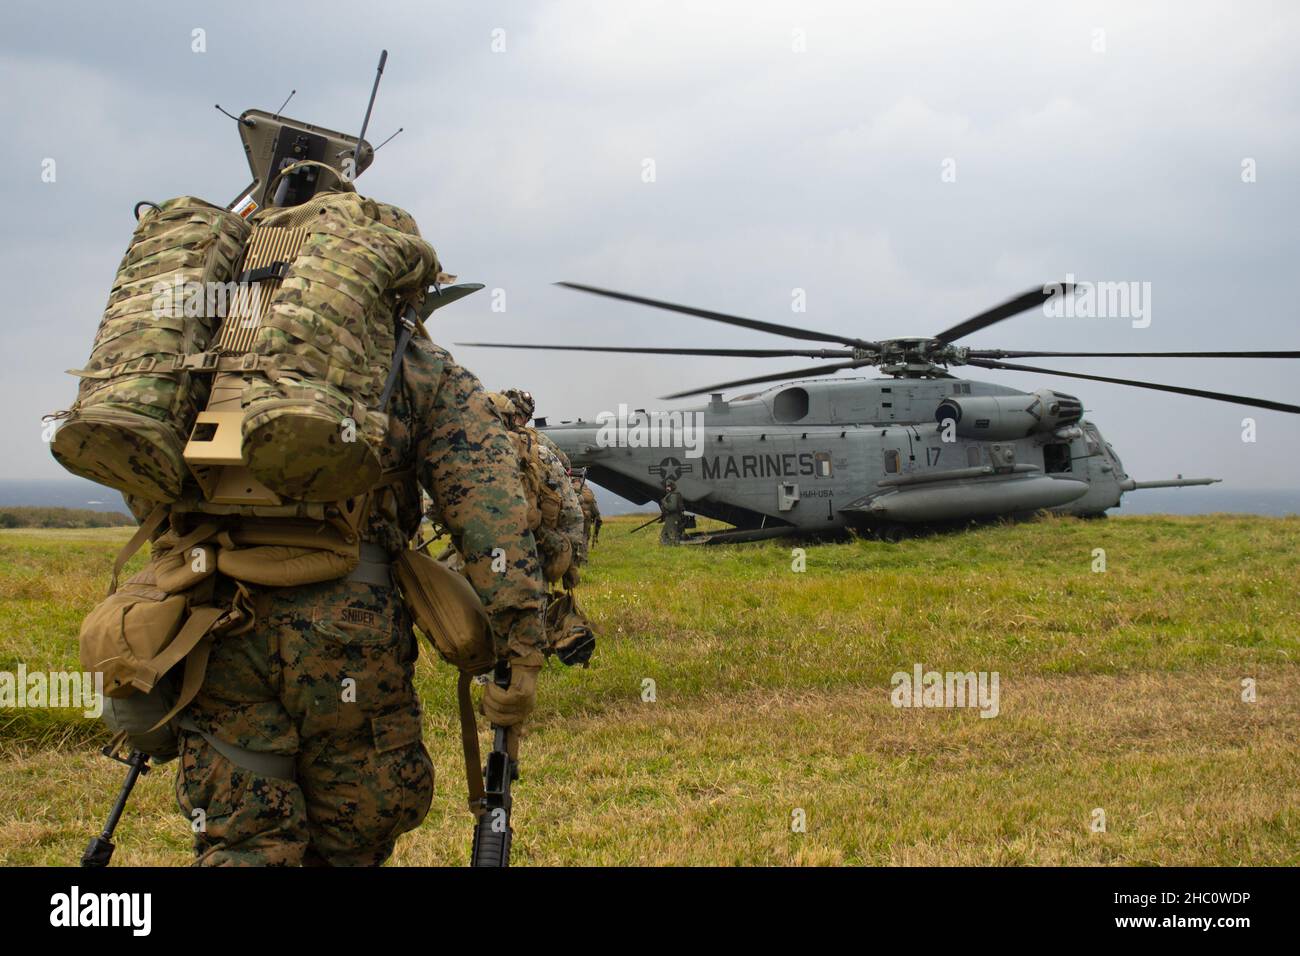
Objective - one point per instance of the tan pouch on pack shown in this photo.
(125, 634)
(550, 505)
(285, 553)
(446, 608)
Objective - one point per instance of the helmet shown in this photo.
(523, 401)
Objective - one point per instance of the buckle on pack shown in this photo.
(197, 362)
(275, 270)
(146, 364)
(249, 362)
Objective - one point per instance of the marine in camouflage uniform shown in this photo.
(569, 522)
(673, 507)
(571, 517)
(324, 679)
(556, 450)
(590, 510)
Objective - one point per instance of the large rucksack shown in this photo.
(254, 428)
(312, 427)
(282, 387)
(134, 408)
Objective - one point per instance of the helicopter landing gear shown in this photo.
(893, 532)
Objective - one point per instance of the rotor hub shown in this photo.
(918, 357)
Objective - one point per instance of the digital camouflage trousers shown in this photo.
(325, 677)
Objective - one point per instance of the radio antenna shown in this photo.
(285, 103)
(389, 140)
(365, 123)
(237, 119)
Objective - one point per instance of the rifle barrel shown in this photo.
(653, 520)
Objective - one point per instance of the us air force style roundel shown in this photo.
(670, 469)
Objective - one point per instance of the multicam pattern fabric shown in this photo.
(312, 427)
(128, 426)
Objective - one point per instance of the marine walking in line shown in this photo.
(590, 509)
(557, 521)
(275, 452)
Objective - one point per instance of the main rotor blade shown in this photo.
(1198, 393)
(1003, 353)
(1021, 303)
(773, 377)
(789, 331)
(731, 353)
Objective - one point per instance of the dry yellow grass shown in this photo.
(1119, 691)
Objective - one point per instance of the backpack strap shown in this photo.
(142, 534)
(469, 743)
(194, 643)
(410, 321)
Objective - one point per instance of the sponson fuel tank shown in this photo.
(946, 501)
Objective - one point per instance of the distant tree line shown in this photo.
(31, 517)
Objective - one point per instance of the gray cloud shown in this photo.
(775, 170)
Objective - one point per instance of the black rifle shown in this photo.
(492, 833)
(100, 849)
(654, 520)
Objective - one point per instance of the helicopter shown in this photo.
(917, 448)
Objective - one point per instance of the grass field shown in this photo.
(1120, 691)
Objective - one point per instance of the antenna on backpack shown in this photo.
(237, 119)
(389, 140)
(365, 123)
(285, 103)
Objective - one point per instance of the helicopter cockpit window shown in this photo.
(791, 405)
(892, 460)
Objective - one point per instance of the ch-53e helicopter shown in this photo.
(886, 456)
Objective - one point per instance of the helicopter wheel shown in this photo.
(892, 533)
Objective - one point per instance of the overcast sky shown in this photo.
(794, 146)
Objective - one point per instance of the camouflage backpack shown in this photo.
(324, 348)
(134, 407)
(268, 389)
(253, 428)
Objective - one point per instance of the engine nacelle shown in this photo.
(1004, 417)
